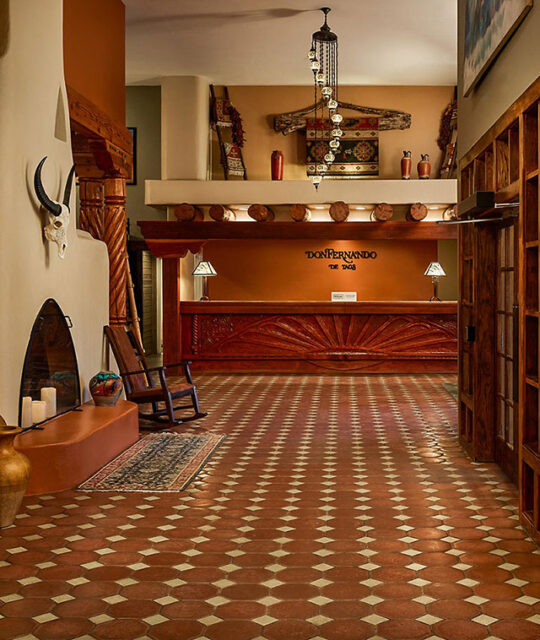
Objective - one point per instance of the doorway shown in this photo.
(506, 424)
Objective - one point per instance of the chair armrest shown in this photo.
(184, 363)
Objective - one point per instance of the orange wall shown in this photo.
(94, 53)
(258, 105)
(280, 270)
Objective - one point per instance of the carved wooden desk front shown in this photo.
(394, 337)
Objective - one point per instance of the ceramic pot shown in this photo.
(277, 165)
(424, 167)
(105, 388)
(14, 474)
(406, 165)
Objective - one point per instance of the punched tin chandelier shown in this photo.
(323, 56)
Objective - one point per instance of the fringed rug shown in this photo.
(164, 462)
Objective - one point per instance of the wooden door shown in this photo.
(506, 424)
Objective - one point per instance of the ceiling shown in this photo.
(265, 42)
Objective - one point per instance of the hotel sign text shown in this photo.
(347, 257)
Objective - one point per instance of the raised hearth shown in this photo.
(75, 445)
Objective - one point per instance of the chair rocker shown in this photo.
(145, 385)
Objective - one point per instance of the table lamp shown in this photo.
(204, 270)
(435, 271)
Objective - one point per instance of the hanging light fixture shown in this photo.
(323, 57)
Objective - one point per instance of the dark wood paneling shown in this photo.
(172, 349)
(161, 233)
(486, 333)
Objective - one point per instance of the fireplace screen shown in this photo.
(50, 360)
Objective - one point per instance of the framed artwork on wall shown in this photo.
(133, 131)
(488, 26)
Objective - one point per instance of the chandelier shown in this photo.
(323, 56)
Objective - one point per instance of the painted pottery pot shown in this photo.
(424, 167)
(14, 474)
(406, 165)
(277, 165)
(105, 387)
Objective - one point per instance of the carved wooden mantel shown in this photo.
(375, 337)
(103, 155)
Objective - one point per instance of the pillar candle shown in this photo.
(48, 395)
(39, 411)
(26, 412)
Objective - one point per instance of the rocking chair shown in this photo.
(140, 382)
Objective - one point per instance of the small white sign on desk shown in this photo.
(343, 296)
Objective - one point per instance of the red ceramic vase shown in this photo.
(277, 165)
(406, 165)
(424, 167)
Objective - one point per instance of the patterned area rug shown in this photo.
(164, 462)
(452, 389)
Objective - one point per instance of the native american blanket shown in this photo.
(234, 159)
(358, 155)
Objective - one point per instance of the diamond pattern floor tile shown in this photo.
(337, 507)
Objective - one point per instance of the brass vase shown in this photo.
(14, 474)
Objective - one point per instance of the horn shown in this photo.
(49, 204)
(67, 190)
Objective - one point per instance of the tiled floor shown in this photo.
(338, 507)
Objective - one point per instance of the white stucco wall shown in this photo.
(34, 122)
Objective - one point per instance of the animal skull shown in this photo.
(56, 230)
(58, 213)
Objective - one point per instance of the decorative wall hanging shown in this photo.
(56, 230)
(389, 119)
(227, 122)
(357, 155)
(447, 141)
(353, 131)
(489, 24)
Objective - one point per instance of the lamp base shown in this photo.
(434, 299)
(204, 299)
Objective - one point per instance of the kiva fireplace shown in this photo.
(50, 361)
(77, 439)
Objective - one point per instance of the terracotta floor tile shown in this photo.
(461, 630)
(176, 630)
(337, 507)
(453, 609)
(515, 630)
(119, 630)
(401, 629)
(237, 629)
(13, 627)
(290, 630)
(63, 629)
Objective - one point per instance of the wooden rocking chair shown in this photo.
(143, 388)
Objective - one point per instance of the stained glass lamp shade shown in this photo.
(435, 271)
(205, 270)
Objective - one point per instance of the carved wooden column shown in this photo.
(91, 206)
(172, 346)
(114, 235)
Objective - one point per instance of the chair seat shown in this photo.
(157, 393)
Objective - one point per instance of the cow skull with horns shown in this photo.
(56, 230)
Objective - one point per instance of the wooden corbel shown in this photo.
(388, 118)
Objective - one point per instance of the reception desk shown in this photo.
(371, 337)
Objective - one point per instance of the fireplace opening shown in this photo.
(50, 360)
